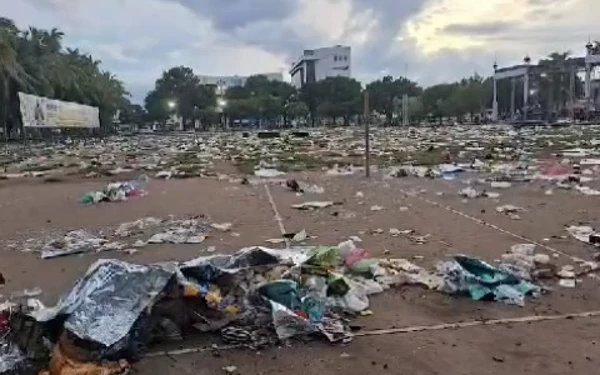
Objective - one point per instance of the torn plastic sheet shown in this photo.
(106, 302)
(211, 267)
(182, 232)
(482, 280)
(77, 242)
(11, 358)
(294, 314)
(582, 233)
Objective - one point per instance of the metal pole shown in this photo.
(367, 143)
(525, 94)
(572, 93)
(512, 98)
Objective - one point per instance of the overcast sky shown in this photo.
(434, 40)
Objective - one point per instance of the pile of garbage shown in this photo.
(117, 192)
(254, 298)
(130, 236)
(78, 242)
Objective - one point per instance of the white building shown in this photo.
(317, 64)
(225, 82)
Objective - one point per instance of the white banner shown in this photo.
(38, 112)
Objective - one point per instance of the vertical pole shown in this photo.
(367, 141)
(512, 98)
(572, 93)
(405, 114)
(525, 94)
(495, 101)
(588, 90)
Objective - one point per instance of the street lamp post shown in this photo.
(221, 105)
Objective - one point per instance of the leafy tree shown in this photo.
(416, 110)
(385, 93)
(339, 97)
(156, 107)
(34, 61)
(182, 87)
(259, 99)
(555, 83)
(437, 100)
(309, 95)
(297, 109)
(132, 114)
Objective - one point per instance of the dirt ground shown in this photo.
(564, 346)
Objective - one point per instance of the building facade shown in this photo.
(223, 83)
(317, 64)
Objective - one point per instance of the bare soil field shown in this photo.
(430, 207)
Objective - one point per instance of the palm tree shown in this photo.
(12, 75)
(555, 81)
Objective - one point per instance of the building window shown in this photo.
(335, 58)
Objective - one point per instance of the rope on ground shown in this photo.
(495, 227)
(439, 327)
(275, 210)
(402, 330)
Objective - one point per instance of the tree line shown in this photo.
(34, 61)
(334, 100)
(339, 100)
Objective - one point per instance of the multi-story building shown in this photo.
(317, 64)
(222, 83)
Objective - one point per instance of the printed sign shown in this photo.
(38, 112)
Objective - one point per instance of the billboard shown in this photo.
(38, 112)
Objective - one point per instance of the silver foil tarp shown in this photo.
(105, 303)
(11, 358)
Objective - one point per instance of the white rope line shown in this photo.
(410, 329)
(275, 210)
(495, 227)
(474, 323)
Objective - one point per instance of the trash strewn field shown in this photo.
(470, 250)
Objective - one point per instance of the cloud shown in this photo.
(492, 28)
(430, 40)
(234, 14)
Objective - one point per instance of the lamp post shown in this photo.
(221, 105)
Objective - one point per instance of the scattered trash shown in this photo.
(376, 208)
(481, 280)
(500, 185)
(182, 232)
(225, 227)
(584, 233)
(300, 236)
(312, 205)
(313, 189)
(294, 186)
(116, 192)
(470, 193)
(268, 173)
(509, 209)
(34, 292)
(567, 283)
(136, 227)
(77, 242)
